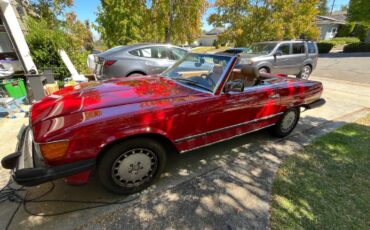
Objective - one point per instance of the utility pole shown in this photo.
(332, 7)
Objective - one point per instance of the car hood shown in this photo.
(96, 95)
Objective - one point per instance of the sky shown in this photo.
(86, 9)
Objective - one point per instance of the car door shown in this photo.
(281, 62)
(297, 57)
(232, 114)
(157, 59)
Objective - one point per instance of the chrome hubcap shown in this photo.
(305, 72)
(134, 167)
(288, 121)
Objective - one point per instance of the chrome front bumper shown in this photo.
(28, 167)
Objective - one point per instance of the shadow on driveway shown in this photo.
(221, 186)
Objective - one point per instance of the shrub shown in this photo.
(215, 44)
(324, 47)
(343, 40)
(357, 47)
(361, 31)
(44, 43)
(346, 30)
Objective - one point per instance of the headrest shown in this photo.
(250, 72)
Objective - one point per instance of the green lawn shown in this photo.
(327, 186)
(206, 49)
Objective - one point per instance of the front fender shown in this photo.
(145, 130)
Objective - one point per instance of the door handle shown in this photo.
(274, 96)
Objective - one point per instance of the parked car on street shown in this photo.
(139, 59)
(283, 57)
(125, 128)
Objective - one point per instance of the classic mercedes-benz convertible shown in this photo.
(125, 128)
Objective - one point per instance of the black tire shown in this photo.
(119, 154)
(263, 70)
(279, 130)
(305, 72)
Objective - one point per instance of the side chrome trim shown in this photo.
(190, 137)
(227, 127)
(255, 130)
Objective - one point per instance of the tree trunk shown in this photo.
(168, 34)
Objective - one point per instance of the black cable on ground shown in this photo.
(8, 193)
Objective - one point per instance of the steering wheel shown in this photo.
(208, 79)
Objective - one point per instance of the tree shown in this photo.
(51, 27)
(261, 20)
(49, 10)
(178, 20)
(122, 22)
(359, 11)
(323, 7)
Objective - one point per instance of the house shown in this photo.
(208, 38)
(329, 25)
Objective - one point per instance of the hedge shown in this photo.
(324, 47)
(343, 40)
(357, 47)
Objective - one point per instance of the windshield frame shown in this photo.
(218, 85)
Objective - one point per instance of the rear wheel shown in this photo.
(131, 166)
(287, 123)
(305, 72)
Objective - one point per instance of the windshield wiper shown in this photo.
(191, 82)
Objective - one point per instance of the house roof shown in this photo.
(216, 31)
(337, 17)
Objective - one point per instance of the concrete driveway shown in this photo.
(226, 185)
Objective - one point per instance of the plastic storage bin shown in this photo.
(14, 87)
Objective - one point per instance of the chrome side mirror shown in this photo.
(234, 86)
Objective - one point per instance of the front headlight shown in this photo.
(249, 62)
(54, 150)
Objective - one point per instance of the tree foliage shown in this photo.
(52, 27)
(323, 7)
(122, 22)
(359, 11)
(260, 20)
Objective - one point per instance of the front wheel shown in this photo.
(287, 123)
(131, 166)
(305, 72)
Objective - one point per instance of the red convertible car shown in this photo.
(125, 128)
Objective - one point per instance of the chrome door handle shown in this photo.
(274, 96)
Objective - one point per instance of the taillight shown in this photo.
(109, 63)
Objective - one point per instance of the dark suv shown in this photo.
(284, 57)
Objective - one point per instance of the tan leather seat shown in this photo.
(251, 75)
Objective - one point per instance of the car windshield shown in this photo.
(202, 71)
(261, 48)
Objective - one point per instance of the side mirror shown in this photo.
(234, 86)
(278, 53)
